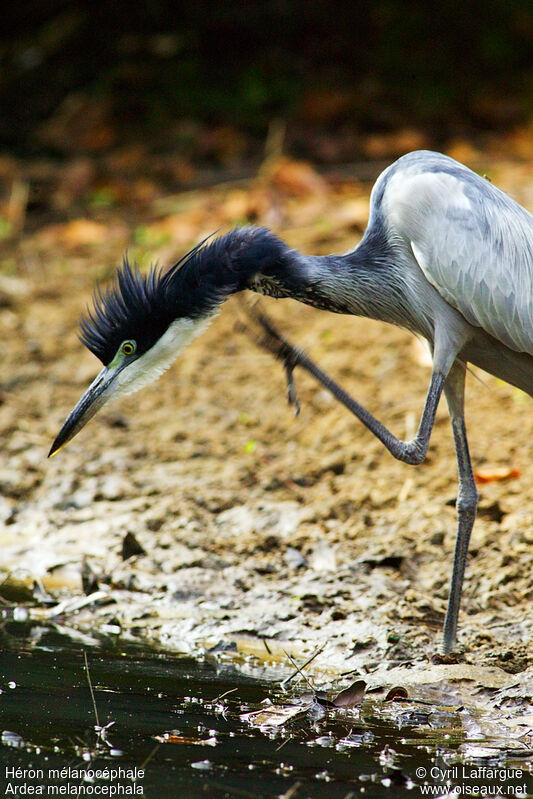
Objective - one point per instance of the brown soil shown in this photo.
(260, 530)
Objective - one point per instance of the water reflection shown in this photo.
(155, 724)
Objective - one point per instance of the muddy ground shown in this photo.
(261, 533)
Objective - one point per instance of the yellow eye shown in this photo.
(128, 347)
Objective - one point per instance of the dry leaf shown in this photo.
(294, 178)
(274, 715)
(351, 696)
(497, 474)
(173, 738)
(76, 233)
(388, 145)
(398, 692)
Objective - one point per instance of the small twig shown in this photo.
(299, 668)
(91, 688)
(292, 791)
(298, 671)
(283, 743)
(231, 691)
(149, 757)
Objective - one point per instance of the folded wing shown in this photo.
(473, 243)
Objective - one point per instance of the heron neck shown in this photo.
(256, 259)
(339, 283)
(266, 265)
(210, 274)
(364, 281)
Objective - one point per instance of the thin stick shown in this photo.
(292, 791)
(150, 756)
(299, 668)
(284, 743)
(230, 691)
(91, 688)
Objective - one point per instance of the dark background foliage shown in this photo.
(155, 69)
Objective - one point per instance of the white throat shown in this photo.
(153, 363)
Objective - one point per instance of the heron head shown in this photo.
(137, 328)
(141, 323)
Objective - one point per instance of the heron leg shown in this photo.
(412, 452)
(467, 499)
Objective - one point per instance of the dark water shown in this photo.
(48, 721)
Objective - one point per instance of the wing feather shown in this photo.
(473, 243)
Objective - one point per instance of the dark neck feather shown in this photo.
(363, 282)
(198, 284)
(255, 259)
(368, 281)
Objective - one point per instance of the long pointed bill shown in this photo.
(98, 393)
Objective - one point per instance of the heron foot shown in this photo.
(440, 658)
(272, 340)
(292, 397)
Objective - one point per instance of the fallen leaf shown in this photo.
(322, 106)
(497, 474)
(294, 178)
(81, 231)
(398, 692)
(387, 145)
(131, 547)
(351, 696)
(473, 753)
(441, 659)
(274, 715)
(519, 721)
(462, 150)
(173, 738)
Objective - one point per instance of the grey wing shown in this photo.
(474, 244)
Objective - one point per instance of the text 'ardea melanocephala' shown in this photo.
(445, 254)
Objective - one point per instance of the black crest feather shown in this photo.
(137, 306)
(142, 306)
